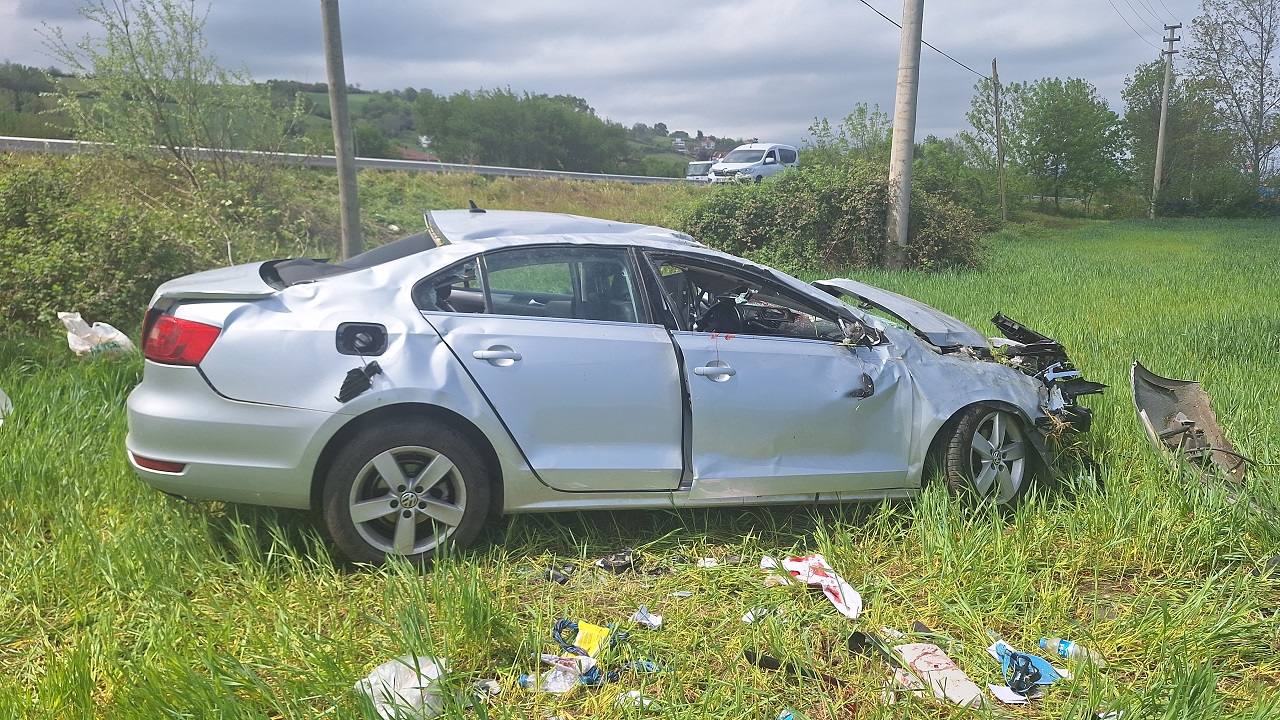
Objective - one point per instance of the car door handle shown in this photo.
(714, 371)
(498, 355)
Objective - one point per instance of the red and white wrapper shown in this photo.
(814, 571)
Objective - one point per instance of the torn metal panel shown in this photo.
(1177, 418)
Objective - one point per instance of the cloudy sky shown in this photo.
(735, 68)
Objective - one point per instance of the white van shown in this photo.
(754, 162)
(699, 171)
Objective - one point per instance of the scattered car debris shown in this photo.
(682, 594)
(814, 571)
(708, 562)
(406, 687)
(560, 575)
(98, 340)
(769, 662)
(1177, 418)
(619, 561)
(486, 688)
(6, 406)
(944, 678)
(634, 699)
(644, 618)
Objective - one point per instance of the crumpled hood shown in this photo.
(939, 328)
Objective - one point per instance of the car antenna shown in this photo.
(474, 207)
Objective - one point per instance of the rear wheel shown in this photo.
(405, 488)
(988, 456)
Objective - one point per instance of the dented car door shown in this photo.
(789, 416)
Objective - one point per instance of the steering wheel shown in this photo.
(723, 316)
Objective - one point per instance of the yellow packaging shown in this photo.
(591, 637)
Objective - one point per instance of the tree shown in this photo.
(863, 135)
(1201, 172)
(499, 127)
(149, 82)
(1237, 53)
(1064, 138)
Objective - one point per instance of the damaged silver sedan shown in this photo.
(514, 362)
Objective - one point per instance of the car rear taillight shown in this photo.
(175, 341)
(157, 465)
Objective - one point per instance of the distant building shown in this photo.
(679, 146)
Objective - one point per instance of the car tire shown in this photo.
(759, 179)
(988, 456)
(438, 494)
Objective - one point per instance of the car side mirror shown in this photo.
(770, 161)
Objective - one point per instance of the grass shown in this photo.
(119, 602)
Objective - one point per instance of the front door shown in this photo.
(780, 407)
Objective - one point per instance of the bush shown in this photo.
(813, 218)
(64, 249)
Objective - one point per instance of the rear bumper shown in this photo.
(231, 451)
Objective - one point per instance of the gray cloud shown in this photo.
(750, 68)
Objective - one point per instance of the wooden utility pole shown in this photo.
(995, 85)
(343, 142)
(904, 131)
(1164, 115)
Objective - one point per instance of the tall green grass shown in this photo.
(119, 602)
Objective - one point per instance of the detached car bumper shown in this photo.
(220, 449)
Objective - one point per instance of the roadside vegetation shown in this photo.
(118, 601)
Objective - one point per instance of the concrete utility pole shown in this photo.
(1164, 115)
(904, 131)
(343, 142)
(995, 85)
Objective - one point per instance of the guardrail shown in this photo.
(72, 147)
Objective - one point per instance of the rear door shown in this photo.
(564, 350)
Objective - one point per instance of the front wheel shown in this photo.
(405, 488)
(988, 456)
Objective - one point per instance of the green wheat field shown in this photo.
(119, 602)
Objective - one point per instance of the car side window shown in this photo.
(714, 299)
(454, 290)
(563, 282)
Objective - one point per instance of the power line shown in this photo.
(925, 43)
(1151, 9)
(1126, 22)
(1139, 15)
(1171, 13)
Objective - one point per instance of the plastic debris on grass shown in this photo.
(97, 340)
(407, 687)
(646, 619)
(6, 406)
(1025, 675)
(814, 571)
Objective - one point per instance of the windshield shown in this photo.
(696, 169)
(744, 156)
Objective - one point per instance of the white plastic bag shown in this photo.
(405, 687)
(98, 340)
(6, 407)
